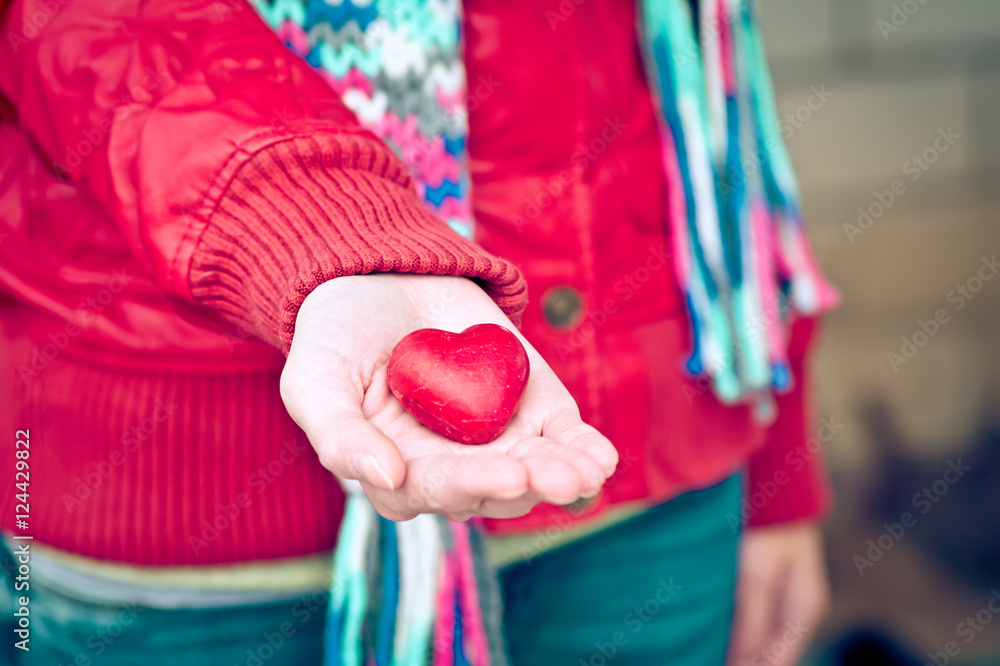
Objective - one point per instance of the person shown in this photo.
(208, 255)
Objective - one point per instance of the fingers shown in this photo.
(568, 430)
(352, 448)
(754, 622)
(589, 473)
(806, 596)
(781, 595)
(570, 460)
(324, 397)
(328, 409)
(514, 508)
(555, 480)
(456, 486)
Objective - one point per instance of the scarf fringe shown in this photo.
(741, 253)
(411, 594)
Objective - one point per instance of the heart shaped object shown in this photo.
(465, 386)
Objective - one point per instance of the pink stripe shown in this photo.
(795, 260)
(473, 631)
(806, 268)
(438, 165)
(450, 100)
(726, 49)
(444, 622)
(763, 226)
(427, 159)
(294, 36)
(781, 250)
(452, 209)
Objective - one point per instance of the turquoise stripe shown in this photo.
(338, 15)
(390, 593)
(336, 610)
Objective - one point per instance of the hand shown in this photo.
(334, 386)
(781, 596)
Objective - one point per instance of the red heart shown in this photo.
(465, 386)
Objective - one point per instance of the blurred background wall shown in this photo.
(895, 131)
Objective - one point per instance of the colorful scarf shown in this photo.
(740, 248)
(410, 593)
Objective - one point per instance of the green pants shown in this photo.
(657, 589)
(69, 632)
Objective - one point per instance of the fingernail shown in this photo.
(592, 494)
(561, 501)
(509, 494)
(369, 468)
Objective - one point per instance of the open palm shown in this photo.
(334, 386)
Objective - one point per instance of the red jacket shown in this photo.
(160, 223)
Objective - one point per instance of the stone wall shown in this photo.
(896, 78)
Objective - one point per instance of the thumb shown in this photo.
(346, 442)
(352, 448)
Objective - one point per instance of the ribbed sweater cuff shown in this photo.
(307, 210)
(787, 477)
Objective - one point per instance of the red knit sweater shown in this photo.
(150, 288)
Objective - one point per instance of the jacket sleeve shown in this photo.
(787, 478)
(233, 170)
